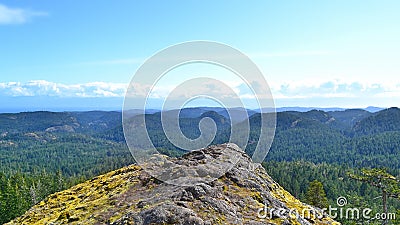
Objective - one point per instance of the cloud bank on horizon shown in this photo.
(299, 93)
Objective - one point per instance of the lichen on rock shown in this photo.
(131, 196)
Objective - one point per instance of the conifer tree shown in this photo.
(387, 183)
(316, 195)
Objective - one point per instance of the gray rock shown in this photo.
(234, 198)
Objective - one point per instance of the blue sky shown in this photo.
(312, 53)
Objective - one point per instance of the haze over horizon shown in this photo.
(60, 57)
(23, 104)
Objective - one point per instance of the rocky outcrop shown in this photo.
(63, 128)
(244, 195)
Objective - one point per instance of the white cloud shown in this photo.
(17, 15)
(296, 91)
(205, 86)
(138, 90)
(334, 88)
(46, 88)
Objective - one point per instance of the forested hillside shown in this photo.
(43, 152)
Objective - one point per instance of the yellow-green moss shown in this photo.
(78, 203)
(96, 201)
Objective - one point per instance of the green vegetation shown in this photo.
(379, 178)
(35, 163)
(316, 196)
(19, 191)
(43, 152)
(296, 177)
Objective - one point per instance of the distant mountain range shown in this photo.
(57, 104)
(305, 109)
(357, 121)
